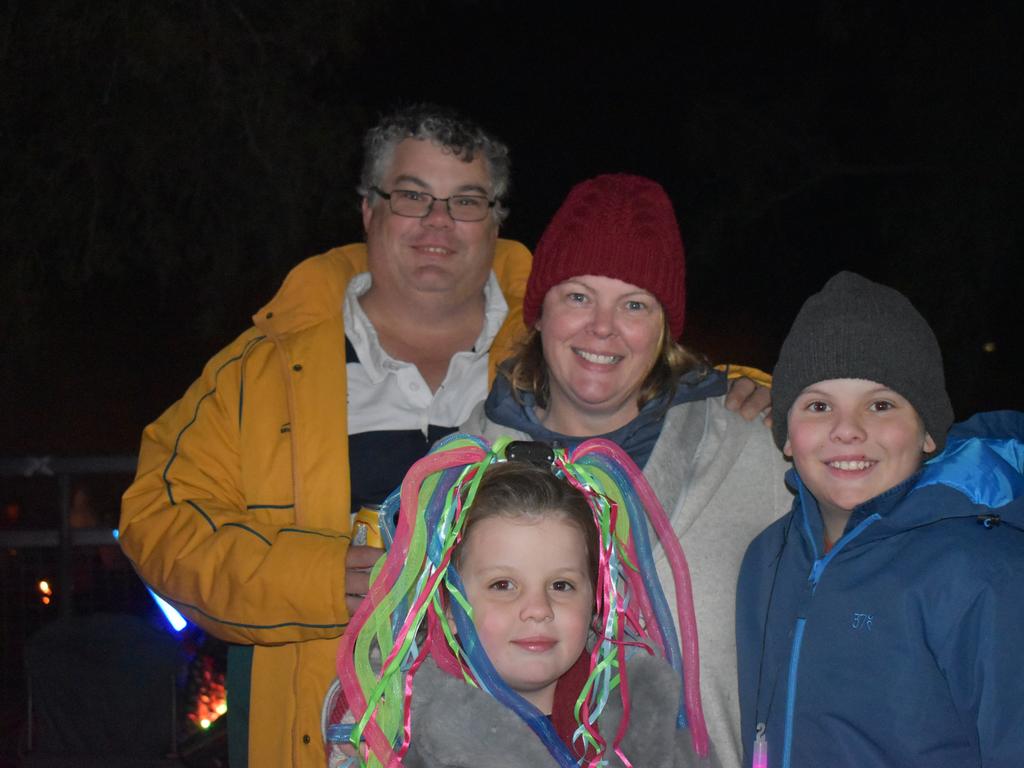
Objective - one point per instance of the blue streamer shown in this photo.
(489, 679)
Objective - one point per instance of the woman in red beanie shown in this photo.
(605, 307)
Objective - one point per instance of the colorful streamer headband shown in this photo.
(403, 618)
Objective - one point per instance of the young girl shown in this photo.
(509, 573)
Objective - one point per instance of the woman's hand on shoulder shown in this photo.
(749, 399)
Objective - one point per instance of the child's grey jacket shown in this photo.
(455, 725)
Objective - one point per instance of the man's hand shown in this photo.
(358, 563)
(750, 399)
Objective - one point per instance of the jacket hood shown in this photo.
(636, 438)
(313, 291)
(983, 461)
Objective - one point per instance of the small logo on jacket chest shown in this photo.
(862, 621)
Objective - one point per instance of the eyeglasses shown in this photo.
(418, 205)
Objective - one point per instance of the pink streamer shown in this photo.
(681, 578)
(420, 471)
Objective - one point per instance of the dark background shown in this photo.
(165, 163)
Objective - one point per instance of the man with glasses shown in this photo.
(240, 511)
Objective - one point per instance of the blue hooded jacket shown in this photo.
(902, 646)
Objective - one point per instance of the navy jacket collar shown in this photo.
(637, 438)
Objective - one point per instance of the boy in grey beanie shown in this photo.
(877, 623)
(859, 350)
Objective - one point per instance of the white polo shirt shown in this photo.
(387, 394)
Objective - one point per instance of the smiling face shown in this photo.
(851, 440)
(434, 254)
(528, 581)
(601, 337)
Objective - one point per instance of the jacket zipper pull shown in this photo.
(760, 748)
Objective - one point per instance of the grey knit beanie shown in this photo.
(856, 329)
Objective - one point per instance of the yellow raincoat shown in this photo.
(239, 512)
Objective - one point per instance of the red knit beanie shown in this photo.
(620, 226)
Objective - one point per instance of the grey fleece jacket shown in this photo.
(720, 480)
(457, 726)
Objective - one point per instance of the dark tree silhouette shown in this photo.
(165, 162)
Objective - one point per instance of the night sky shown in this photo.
(166, 163)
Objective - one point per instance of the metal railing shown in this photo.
(51, 569)
(64, 538)
(38, 565)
